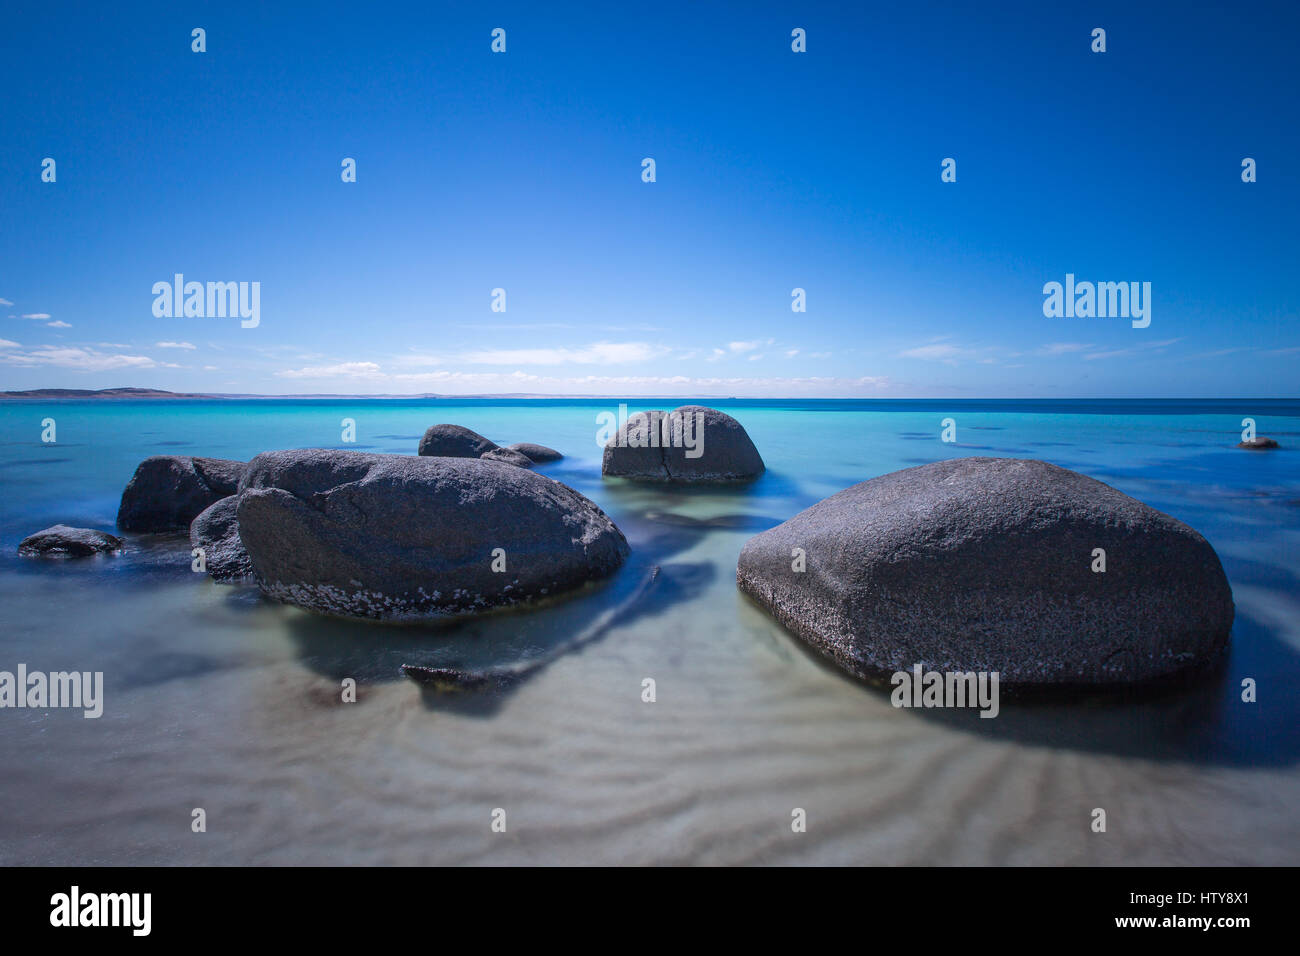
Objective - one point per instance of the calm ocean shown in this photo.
(220, 700)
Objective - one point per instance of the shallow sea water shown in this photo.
(216, 698)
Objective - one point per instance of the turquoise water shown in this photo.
(217, 699)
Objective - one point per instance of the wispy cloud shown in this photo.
(1064, 348)
(344, 370)
(174, 345)
(519, 381)
(58, 325)
(36, 315)
(944, 352)
(602, 353)
(1135, 349)
(80, 359)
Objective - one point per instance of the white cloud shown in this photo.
(456, 382)
(5, 302)
(346, 370)
(80, 359)
(58, 325)
(1134, 349)
(6, 344)
(602, 353)
(1063, 348)
(37, 315)
(935, 352)
(174, 345)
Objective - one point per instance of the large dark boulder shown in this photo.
(539, 454)
(167, 492)
(986, 564)
(400, 537)
(62, 541)
(454, 441)
(688, 444)
(216, 531)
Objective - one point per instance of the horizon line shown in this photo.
(128, 392)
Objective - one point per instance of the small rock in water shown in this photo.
(507, 457)
(539, 454)
(1258, 444)
(62, 541)
(455, 680)
(454, 441)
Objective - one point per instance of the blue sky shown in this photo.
(775, 170)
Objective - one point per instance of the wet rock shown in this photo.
(62, 541)
(454, 441)
(167, 492)
(507, 457)
(986, 564)
(688, 444)
(538, 454)
(216, 531)
(399, 537)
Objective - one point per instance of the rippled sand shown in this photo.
(233, 705)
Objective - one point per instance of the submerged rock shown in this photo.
(1258, 444)
(987, 564)
(167, 492)
(454, 441)
(458, 680)
(507, 457)
(688, 444)
(216, 531)
(62, 541)
(400, 537)
(539, 454)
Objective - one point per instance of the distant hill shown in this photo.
(98, 393)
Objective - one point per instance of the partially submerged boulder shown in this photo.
(216, 531)
(538, 454)
(507, 457)
(400, 537)
(454, 441)
(689, 444)
(1259, 443)
(167, 492)
(62, 541)
(987, 564)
